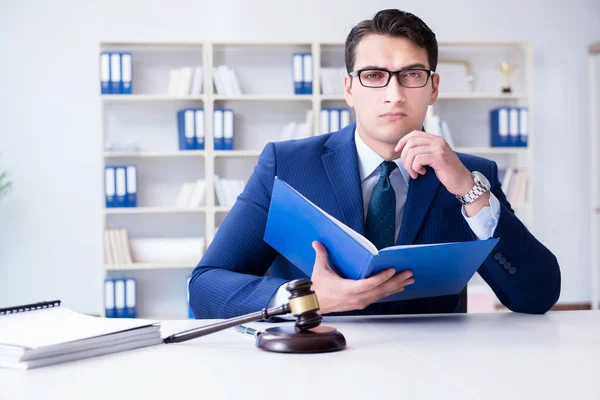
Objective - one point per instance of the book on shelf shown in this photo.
(191, 194)
(223, 128)
(333, 119)
(225, 81)
(515, 185)
(116, 247)
(436, 126)
(116, 73)
(228, 190)
(509, 126)
(332, 80)
(295, 130)
(302, 73)
(47, 333)
(186, 81)
(191, 129)
(120, 186)
(120, 297)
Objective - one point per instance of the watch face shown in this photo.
(482, 180)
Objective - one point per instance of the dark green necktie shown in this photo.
(381, 214)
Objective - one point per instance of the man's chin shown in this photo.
(393, 136)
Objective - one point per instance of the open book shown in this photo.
(46, 333)
(294, 222)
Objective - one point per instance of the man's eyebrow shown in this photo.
(410, 66)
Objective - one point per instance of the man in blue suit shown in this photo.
(386, 179)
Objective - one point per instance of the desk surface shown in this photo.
(473, 356)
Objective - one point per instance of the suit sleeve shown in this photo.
(229, 279)
(522, 272)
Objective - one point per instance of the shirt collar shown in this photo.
(369, 160)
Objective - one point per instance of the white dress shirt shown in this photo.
(483, 224)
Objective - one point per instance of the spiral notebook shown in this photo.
(40, 334)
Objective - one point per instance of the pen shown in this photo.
(247, 330)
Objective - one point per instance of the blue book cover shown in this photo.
(105, 83)
(499, 127)
(131, 184)
(126, 73)
(186, 129)
(307, 73)
(109, 298)
(294, 222)
(298, 72)
(115, 74)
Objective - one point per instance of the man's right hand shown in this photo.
(336, 294)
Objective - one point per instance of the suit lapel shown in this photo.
(341, 168)
(420, 195)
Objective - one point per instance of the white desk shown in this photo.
(491, 356)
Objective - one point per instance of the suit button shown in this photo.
(502, 261)
(497, 256)
(512, 270)
(507, 265)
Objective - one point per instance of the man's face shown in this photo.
(386, 114)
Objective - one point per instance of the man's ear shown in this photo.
(435, 91)
(348, 90)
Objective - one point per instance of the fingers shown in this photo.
(420, 161)
(372, 282)
(394, 285)
(413, 143)
(409, 157)
(405, 139)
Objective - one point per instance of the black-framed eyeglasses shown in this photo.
(380, 77)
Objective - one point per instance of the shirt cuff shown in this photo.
(485, 222)
(280, 297)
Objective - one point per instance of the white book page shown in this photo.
(364, 242)
(50, 326)
(404, 246)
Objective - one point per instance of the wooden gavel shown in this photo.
(305, 337)
(303, 305)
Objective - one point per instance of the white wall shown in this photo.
(50, 230)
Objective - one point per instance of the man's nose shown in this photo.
(394, 92)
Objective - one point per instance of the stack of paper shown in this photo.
(35, 338)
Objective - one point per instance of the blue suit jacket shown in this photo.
(230, 278)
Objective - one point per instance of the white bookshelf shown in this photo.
(146, 97)
(264, 71)
(140, 266)
(153, 210)
(155, 154)
(594, 71)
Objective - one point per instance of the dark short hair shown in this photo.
(394, 23)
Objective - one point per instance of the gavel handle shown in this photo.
(230, 323)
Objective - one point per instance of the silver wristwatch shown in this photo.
(482, 185)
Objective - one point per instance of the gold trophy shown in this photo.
(506, 68)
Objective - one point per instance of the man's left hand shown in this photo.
(419, 149)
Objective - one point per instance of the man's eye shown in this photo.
(374, 75)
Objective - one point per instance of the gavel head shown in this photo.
(303, 304)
